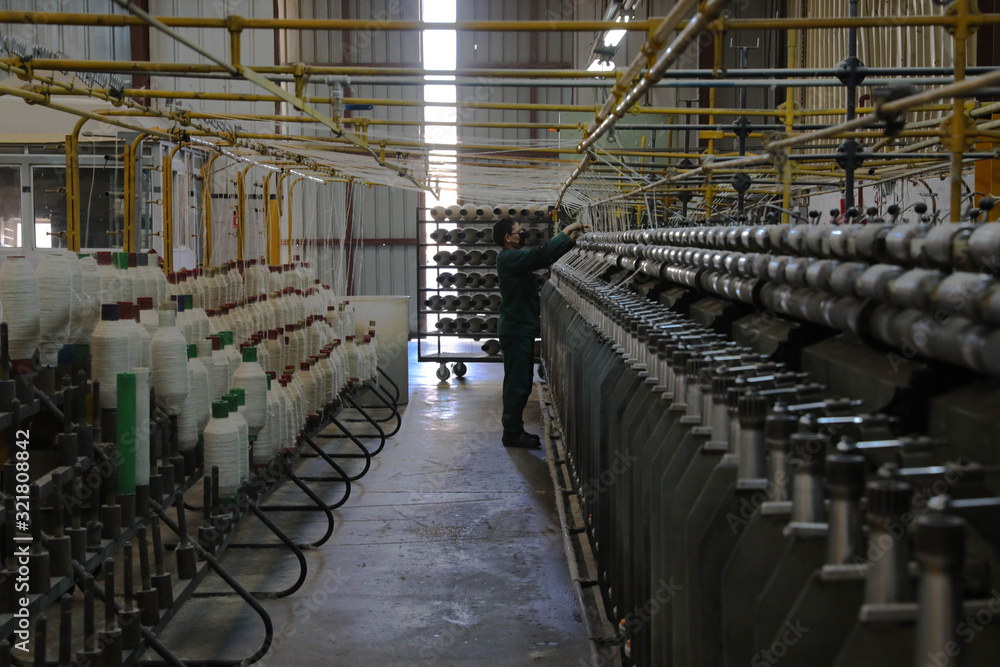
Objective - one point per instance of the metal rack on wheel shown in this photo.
(459, 291)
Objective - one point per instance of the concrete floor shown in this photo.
(448, 552)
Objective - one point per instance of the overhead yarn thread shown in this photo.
(142, 455)
(19, 292)
(53, 279)
(222, 449)
(170, 363)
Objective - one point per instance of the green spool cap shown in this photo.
(232, 402)
(227, 336)
(188, 301)
(220, 410)
(192, 351)
(249, 354)
(81, 352)
(81, 255)
(121, 260)
(269, 383)
(126, 433)
(241, 396)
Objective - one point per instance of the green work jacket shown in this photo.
(519, 310)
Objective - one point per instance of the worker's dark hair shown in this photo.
(501, 228)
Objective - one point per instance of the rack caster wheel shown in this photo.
(460, 369)
(443, 373)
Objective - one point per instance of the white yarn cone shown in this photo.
(251, 379)
(188, 419)
(169, 377)
(106, 358)
(92, 301)
(222, 449)
(53, 278)
(19, 292)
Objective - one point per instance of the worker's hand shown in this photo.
(573, 231)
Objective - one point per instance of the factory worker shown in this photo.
(520, 321)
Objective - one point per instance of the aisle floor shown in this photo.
(448, 552)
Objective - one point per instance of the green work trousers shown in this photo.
(518, 376)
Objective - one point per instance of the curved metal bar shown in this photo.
(392, 405)
(286, 541)
(365, 454)
(368, 418)
(395, 386)
(344, 477)
(235, 585)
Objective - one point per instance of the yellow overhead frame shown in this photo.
(168, 207)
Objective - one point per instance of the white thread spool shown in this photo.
(106, 358)
(266, 444)
(169, 377)
(126, 277)
(161, 278)
(506, 211)
(437, 213)
(188, 420)
(251, 379)
(19, 292)
(219, 373)
(142, 455)
(467, 212)
(53, 280)
(111, 281)
(237, 414)
(452, 212)
(222, 449)
(484, 213)
(232, 357)
(148, 317)
(199, 383)
(126, 320)
(92, 288)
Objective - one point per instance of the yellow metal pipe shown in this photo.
(72, 193)
(840, 22)
(132, 154)
(121, 20)
(130, 67)
(206, 195)
(168, 208)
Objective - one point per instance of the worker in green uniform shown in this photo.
(520, 320)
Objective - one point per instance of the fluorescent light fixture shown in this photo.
(600, 66)
(614, 37)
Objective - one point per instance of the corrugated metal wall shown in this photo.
(379, 212)
(74, 41)
(512, 50)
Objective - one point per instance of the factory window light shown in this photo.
(440, 54)
(600, 66)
